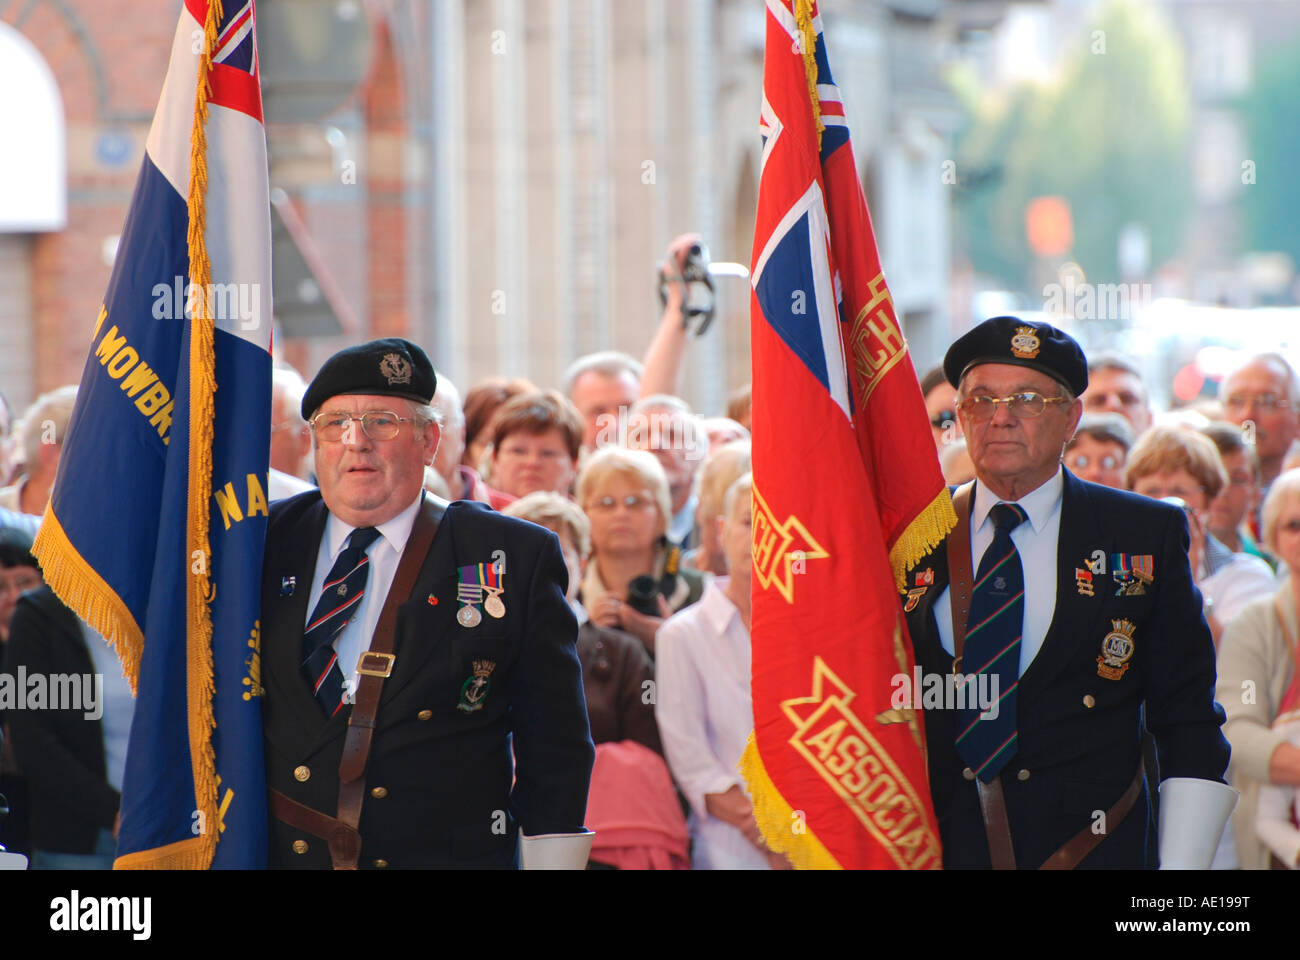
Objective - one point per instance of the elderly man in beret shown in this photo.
(423, 700)
(1074, 605)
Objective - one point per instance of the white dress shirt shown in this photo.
(354, 639)
(1036, 541)
(702, 703)
(1239, 581)
(115, 703)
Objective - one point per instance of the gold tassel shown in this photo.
(922, 535)
(202, 367)
(776, 820)
(803, 17)
(181, 855)
(82, 589)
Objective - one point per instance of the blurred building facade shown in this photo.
(495, 179)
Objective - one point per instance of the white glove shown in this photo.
(12, 861)
(1192, 815)
(555, 851)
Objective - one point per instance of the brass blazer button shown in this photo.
(1089, 701)
(302, 774)
(968, 773)
(380, 864)
(1022, 775)
(379, 792)
(300, 846)
(425, 714)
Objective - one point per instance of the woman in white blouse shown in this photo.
(704, 708)
(1257, 661)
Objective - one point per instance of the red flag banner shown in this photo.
(847, 493)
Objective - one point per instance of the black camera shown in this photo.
(643, 595)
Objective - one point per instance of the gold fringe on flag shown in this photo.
(203, 386)
(803, 17)
(776, 819)
(921, 536)
(82, 589)
(198, 853)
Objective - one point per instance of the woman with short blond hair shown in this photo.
(624, 494)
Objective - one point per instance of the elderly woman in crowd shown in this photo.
(1099, 449)
(615, 666)
(635, 578)
(1180, 463)
(1256, 667)
(704, 707)
(724, 466)
(1277, 811)
(536, 438)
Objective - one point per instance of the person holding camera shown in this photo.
(634, 579)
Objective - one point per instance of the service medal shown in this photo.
(469, 592)
(1083, 581)
(490, 576)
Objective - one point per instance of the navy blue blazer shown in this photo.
(447, 795)
(1080, 725)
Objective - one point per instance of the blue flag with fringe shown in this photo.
(156, 525)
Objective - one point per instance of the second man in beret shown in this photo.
(1068, 613)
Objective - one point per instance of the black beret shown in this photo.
(1024, 343)
(391, 367)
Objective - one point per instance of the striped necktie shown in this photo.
(344, 587)
(997, 613)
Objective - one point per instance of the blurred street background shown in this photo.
(497, 179)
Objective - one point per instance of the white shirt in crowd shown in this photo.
(116, 704)
(702, 703)
(1239, 581)
(280, 485)
(384, 553)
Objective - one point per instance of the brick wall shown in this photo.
(108, 58)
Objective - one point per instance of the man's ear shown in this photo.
(1076, 414)
(432, 437)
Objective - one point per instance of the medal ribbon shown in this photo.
(470, 589)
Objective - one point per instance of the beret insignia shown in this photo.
(397, 370)
(1025, 343)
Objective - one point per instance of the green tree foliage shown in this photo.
(1110, 135)
(1272, 114)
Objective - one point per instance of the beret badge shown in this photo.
(1025, 343)
(396, 368)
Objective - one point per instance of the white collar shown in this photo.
(1039, 504)
(396, 531)
(716, 607)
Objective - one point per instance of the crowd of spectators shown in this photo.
(650, 501)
